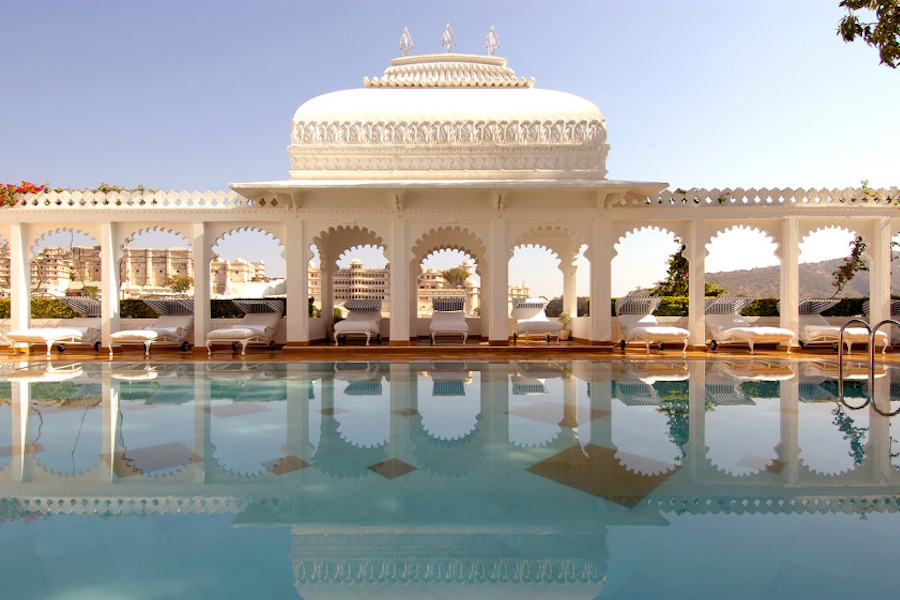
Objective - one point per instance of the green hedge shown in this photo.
(677, 306)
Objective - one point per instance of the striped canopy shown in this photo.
(448, 304)
(84, 306)
(363, 304)
(637, 304)
(540, 303)
(814, 306)
(895, 307)
(726, 305)
(261, 305)
(171, 306)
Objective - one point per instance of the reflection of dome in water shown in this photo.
(440, 116)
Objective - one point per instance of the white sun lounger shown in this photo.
(816, 330)
(727, 326)
(61, 336)
(448, 318)
(364, 318)
(531, 320)
(84, 333)
(254, 328)
(170, 329)
(639, 326)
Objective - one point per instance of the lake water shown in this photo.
(450, 479)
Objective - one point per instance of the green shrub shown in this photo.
(847, 307)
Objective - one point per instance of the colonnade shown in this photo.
(564, 222)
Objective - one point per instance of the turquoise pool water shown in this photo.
(456, 479)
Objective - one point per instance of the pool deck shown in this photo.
(425, 351)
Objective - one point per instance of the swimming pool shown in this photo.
(447, 479)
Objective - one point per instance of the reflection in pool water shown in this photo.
(454, 479)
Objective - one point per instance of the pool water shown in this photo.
(754, 478)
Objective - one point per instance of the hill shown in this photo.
(815, 281)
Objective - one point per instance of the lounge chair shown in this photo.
(448, 318)
(531, 320)
(363, 379)
(727, 326)
(85, 334)
(639, 326)
(174, 324)
(258, 326)
(364, 318)
(815, 330)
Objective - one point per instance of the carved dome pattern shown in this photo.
(448, 70)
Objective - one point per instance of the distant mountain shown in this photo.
(815, 281)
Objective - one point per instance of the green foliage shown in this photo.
(847, 307)
(762, 307)
(883, 33)
(91, 291)
(554, 306)
(314, 312)
(50, 308)
(456, 277)
(179, 284)
(852, 265)
(852, 433)
(762, 389)
(338, 315)
(135, 309)
(676, 282)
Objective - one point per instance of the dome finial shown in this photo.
(448, 40)
(491, 42)
(406, 43)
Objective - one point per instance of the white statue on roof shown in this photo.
(448, 40)
(491, 42)
(406, 43)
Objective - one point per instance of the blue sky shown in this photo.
(195, 95)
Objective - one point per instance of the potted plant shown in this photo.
(564, 320)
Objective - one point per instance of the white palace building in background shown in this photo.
(449, 151)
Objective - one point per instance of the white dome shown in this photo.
(448, 116)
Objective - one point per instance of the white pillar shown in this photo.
(109, 282)
(696, 250)
(790, 278)
(399, 284)
(200, 253)
(19, 276)
(297, 284)
(879, 255)
(498, 293)
(570, 289)
(602, 251)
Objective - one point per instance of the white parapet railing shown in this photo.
(700, 197)
(798, 197)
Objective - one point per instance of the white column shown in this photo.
(110, 405)
(297, 284)
(602, 251)
(498, 293)
(399, 284)
(19, 276)
(20, 394)
(696, 250)
(790, 278)
(109, 282)
(879, 255)
(200, 253)
(570, 291)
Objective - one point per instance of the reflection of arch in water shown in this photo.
(450, 411)
(742, 439)
(5, 422)
(362, 411)
(533, 418)
(339, 458)
(641, 436)
(156, 439)
(247, 437)
(832, 440)
(67, 434)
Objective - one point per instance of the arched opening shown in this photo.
(65, 262)
(156, 261)
(247, 263)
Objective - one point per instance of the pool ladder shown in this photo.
(872, 331)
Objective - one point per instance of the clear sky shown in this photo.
(193, 95)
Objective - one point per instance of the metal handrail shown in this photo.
(872, 333)
(841, 365)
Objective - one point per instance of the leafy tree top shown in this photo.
(882, 33)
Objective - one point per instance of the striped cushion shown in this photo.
(448, 304)
(814, 306)
(363, 304)
(171, 306)
(84, 306)
(637, 304)
(261, 305)
(726, 305)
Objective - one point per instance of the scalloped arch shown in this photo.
(174, 230)
(266, 233)
(765, 233)
(334, 241)
(560, 241)
(37, 239)
(643, 228)
(449, 238)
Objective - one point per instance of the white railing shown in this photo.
(799, 197)
(861, 196)
(131, 200)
